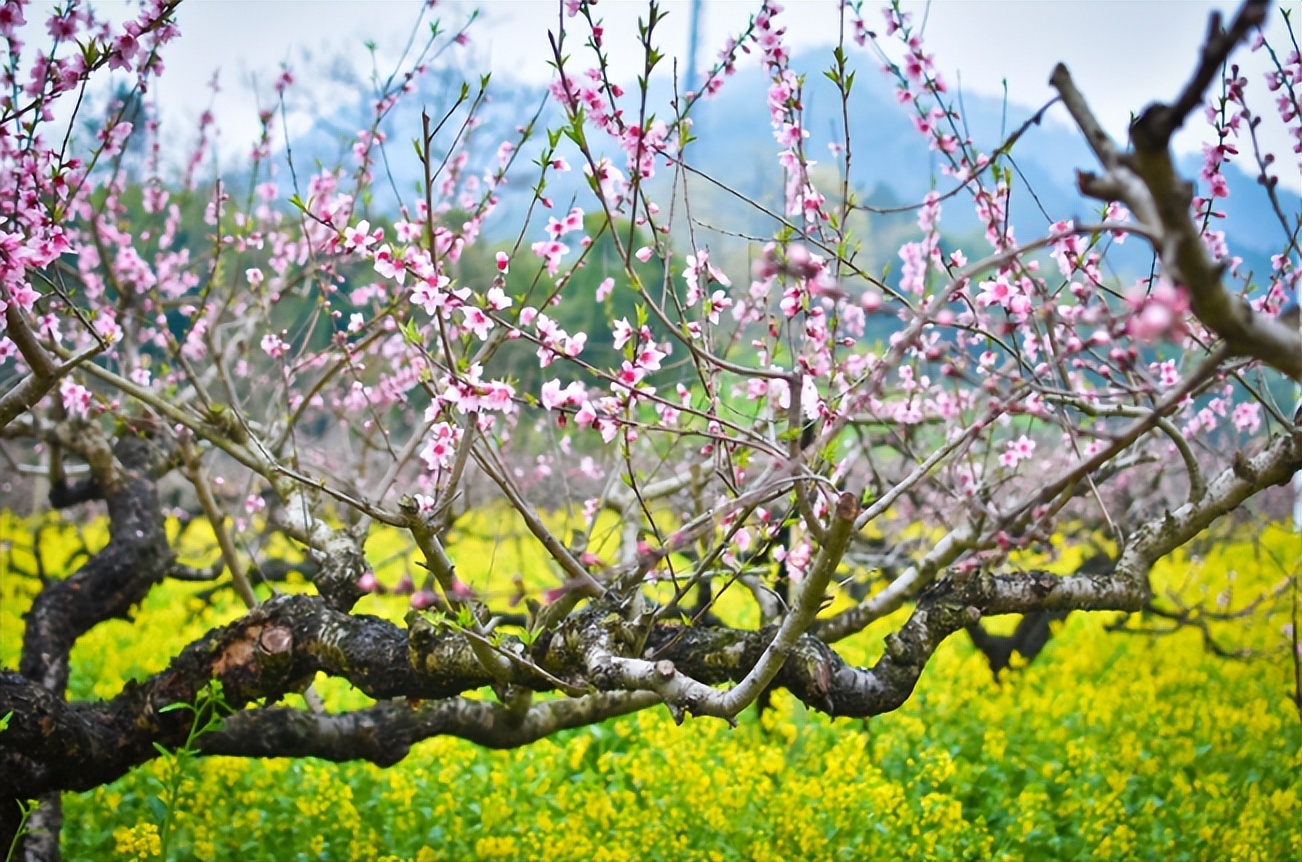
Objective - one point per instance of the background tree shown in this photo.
(315, 368)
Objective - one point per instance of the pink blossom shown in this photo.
(573, 345)
(60, 27)
(408, 231)
(699, 265)
(1160, 314)
(439, 449)
(717, 302)
(573, 221)
(503, 262)
(76, 398)
(610, 180)
(996, 292)
(1166, 372)
(586, 414)
(274, 346)
(551, 251)
(430, 295)
(388, 265)
(476, 321)
(1018, 450)
(1247, 416)
(648, 358)
(621, 332)
(358, 238)
(553, 396)
(792, 301)
(24, 296)
(497, 299)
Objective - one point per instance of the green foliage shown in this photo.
(177, 763)
(25, 808)
(1107, 746)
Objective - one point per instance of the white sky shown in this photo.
(1122, 53)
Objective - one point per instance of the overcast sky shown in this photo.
(1122, 54)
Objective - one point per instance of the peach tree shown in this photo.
(771, 419)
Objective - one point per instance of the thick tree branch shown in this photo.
(683, 694)
(282, 643)
(32, 388)
(1216, 50)
(264, 652)
(383, 734)
(119, 576)
(108, 585)
(1146, 180)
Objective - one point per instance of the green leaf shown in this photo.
(410, 333)
(465, 618)
(157, 807)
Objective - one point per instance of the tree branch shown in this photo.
(1145, 179)
(383, 734)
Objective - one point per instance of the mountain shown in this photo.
(890, 163)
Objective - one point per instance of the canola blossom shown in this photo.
(1157, 749)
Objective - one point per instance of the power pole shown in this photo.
(693, 34)
(1297, 477)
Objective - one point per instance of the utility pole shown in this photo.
(1297, 477)
(693, 39)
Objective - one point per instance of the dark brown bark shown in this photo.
(279, 646)
(107, 586)
(113, 580)
(1028, 639)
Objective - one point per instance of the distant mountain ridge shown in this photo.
(890, 165)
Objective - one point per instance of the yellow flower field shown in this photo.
(1107, 746)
